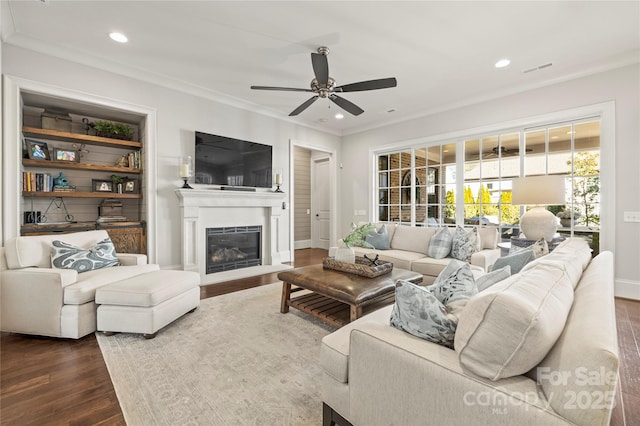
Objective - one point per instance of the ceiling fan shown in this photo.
(503, 151)
(325, 87)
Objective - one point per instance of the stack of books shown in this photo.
(103, 219)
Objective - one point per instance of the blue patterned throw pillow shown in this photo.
(431, 313)
(465, 243)
(66, 256)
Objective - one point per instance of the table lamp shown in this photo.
(539, 191)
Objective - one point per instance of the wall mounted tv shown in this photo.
(232, 162)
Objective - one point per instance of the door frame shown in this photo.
(322, 158)
(333, 193)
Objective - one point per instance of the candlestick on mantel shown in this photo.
(278, 181)
(185, 170)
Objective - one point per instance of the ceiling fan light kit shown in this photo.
(324, 86)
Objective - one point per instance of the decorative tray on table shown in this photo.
(362, 267)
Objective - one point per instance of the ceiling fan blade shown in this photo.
(303, 106)
(288, 89)
(346, 105)
(382, 83)
(320, 67)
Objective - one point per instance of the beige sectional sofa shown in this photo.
(410, 247)
(38, 299)
(537, 348)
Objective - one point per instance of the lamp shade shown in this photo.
(538, 190)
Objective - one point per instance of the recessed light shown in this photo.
(502, 63)
(119, 37)
(339, 116)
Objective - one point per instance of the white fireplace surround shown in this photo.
(214, 208)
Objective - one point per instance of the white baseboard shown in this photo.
(627, 289)
(302, 244)
(285, 256)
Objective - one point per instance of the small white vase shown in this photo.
(345, 254)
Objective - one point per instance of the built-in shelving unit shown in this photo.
(97, 159)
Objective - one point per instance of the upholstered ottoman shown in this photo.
(146, 303)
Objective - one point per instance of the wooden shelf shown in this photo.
(77, 194)
(55, 135)
(45, 164)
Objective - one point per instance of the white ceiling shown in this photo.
(442, 53)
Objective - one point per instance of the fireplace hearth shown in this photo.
(233, 247)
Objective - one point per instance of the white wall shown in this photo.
(620, 85)
(178, 116)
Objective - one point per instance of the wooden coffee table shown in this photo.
(338, 298)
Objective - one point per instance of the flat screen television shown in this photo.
(220, 160)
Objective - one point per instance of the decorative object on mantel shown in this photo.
(278, 180)
(361, 267)
(185, 170)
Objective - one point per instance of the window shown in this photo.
(419, 185)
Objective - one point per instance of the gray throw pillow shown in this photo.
(515, 261)
(465, 243)
(440, 244)
(431, 313)
(66, 256)
(487, 280)
(379, 239)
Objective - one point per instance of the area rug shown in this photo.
(235, 361)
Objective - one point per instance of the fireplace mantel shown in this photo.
(226, 198)
(202, 208)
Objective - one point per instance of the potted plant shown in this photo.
(357, 237)
(113, 130)
(117, 182)
(568, 216)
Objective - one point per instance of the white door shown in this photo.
(320, 203)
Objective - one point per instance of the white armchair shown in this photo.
(38, 299)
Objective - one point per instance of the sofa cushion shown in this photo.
(412, 238)
(379, 238)
(572, 255)
(400, 258)
(515, 261)
(35, 250)
(487, 280)
(84, 290)
(67, 256)
(509, 328)
(465, 243)
(334, 350)
(586, 355)
(440, 244)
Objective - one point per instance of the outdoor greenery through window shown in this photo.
(422, 185)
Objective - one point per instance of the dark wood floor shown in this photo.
(65, 382)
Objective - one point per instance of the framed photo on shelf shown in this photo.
(66, 155)
(37, 150)
(131, 186)
(101, 185)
